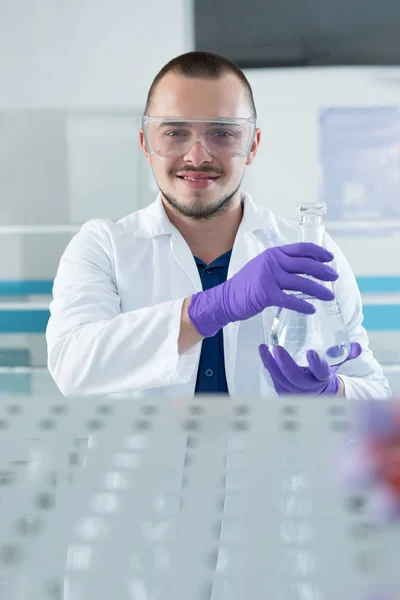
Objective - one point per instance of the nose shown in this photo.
(197, 154)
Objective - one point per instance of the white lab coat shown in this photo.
(117, 301)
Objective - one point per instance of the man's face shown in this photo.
(218, 180)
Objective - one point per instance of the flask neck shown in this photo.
(311, 228)
(311, 233)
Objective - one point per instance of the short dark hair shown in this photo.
(201, 64)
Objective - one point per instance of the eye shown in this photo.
(223, 133)
(176, 133)
(226, 134)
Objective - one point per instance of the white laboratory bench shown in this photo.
(210, 499)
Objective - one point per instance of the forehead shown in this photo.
(178, 96)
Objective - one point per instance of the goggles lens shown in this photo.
(223, 138)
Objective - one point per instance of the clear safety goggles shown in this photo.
(221, 138)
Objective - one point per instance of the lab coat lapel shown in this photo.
(154, 222)
(184, 258)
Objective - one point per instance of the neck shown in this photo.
(209, 238)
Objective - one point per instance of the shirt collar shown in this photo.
(154, 221)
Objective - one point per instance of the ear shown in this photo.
(143, 145)
(254, 147)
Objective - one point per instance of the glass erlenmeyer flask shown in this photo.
(324, 331)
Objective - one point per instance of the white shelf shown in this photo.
(38, 229)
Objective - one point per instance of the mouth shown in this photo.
(198, 180)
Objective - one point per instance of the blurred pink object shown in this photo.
(372, 462)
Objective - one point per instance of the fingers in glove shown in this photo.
(318, 366)
(307, 266)
(272, 367)
(355, 351)
(297, 376)
(309, 250)
(297, 283)
(298, 304)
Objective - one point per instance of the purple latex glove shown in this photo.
(260, 284)
(316, 379)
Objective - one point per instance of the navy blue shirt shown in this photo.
(211, 377)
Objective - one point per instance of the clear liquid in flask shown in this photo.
(322, 331)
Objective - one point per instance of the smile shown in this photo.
(198, 182)
(197, 178)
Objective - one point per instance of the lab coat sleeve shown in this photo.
(93, 348)
(363, 377)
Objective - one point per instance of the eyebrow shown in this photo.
(184, 123)
(169, 123)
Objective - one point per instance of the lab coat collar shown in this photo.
(154, 221)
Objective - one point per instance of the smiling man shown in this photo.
(179, 298)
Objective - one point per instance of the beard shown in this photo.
(197, 209)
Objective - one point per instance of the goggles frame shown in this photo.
(212, 121)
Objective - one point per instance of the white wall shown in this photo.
(74, 76)
(285, 171)
(87, 53)
(288, 102)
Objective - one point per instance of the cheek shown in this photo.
(233, 172)
(163, 169)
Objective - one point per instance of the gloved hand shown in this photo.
(316, 379)
(260, 283)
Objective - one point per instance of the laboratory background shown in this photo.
(74, 75)
(74, 78)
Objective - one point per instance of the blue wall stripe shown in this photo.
(376, 318)
(28, 287)
(379, 284)
(23, 321)
(382, 317)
